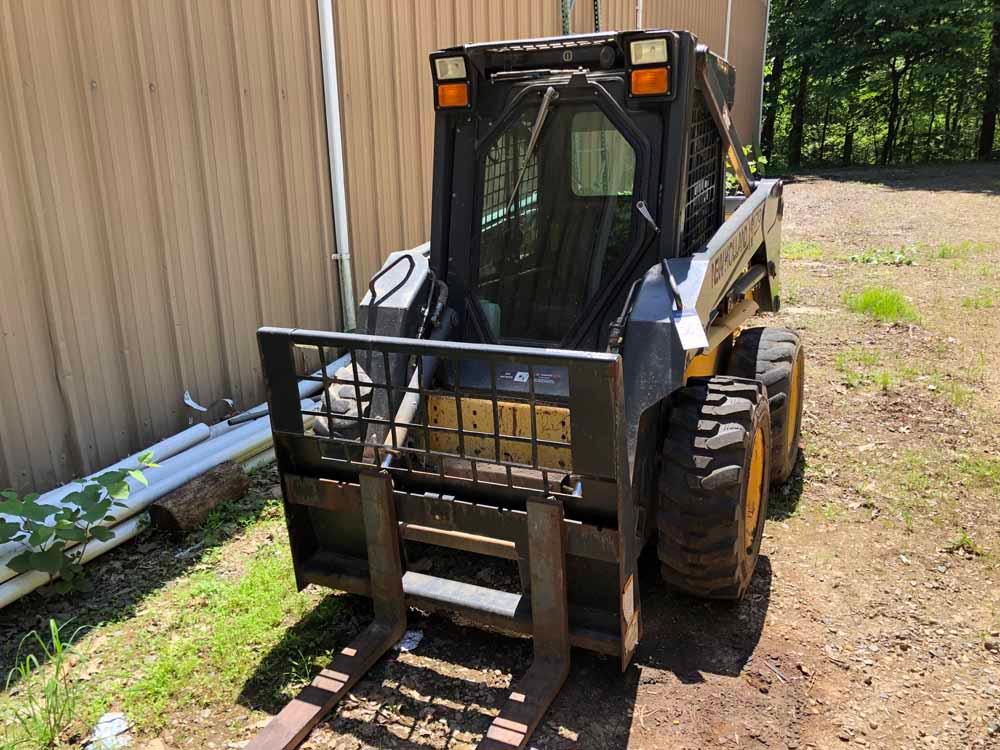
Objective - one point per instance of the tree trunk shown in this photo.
(796, 133)
(826, 128)
(991, 105)
(848, 154)
(893, 122)
(188, 506)
(772, 102)
(928, 143)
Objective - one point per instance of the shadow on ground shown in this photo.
(783, 502)
(454, 674)
(980, 177)
(123, 577)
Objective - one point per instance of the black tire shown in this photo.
(707, 545)
(775, 357)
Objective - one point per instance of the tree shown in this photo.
(991, 101)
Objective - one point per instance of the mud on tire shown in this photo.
(715, 462)
(776, 358)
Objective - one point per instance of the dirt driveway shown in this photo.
(873, 619)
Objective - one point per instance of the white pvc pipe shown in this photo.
(335, 152)
(158, 479)
(246, 440)
(25, 583)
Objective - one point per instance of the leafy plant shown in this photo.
(883, 257)
(964, 543)
(48, 705)
(55, 538)
(756, 164)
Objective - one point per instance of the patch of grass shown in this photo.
(883, 304)
(48, 694)
(949, 251)
(916, 474)
(982, 471)
(853, 364)
(219, 631)
(984, 299)
(881, 256)
(964, 543)
(955, 392)
(802, 251)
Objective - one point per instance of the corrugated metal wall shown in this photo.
(163, 191)
(382, 48)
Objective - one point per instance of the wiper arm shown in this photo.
(543, 111)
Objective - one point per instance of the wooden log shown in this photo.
(188, 506)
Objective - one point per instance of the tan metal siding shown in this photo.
(163, 192)
(746, 53)
(387, 101)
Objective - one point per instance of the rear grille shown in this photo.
(704, 191)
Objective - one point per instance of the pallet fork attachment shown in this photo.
(353, 505)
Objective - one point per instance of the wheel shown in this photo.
(775, 357)
(714, 480)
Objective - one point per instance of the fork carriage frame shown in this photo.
(351, 507)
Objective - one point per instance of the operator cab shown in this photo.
(550, 181)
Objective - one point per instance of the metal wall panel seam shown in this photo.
(186, 376)
(107, 226)
(212, 199)
(282, 126)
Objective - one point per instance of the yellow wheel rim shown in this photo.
(792, 416)
(755, 486)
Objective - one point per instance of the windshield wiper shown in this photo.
(543, 111)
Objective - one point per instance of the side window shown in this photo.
(603, 162)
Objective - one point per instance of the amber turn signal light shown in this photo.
(453, 95)
(648, 81)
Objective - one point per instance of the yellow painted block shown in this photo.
(552, 423)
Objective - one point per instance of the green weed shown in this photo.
(955, 250)
(852, 365)
(883, 379)
(883, 304)
(48, 695)
(981, 470)
(964, 543)
(883, 257)
(802, 251)
(984, 299)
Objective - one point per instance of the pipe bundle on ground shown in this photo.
(181, 458)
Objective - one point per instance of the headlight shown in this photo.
(649, 51)
(450, 68)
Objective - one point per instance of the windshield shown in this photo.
(550, 242)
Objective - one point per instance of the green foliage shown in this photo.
(877, 81)
(883, 257)
(49, 696)
(756, 162)
(964, 543)
(984, 299)
(883, 304)
(54, 538)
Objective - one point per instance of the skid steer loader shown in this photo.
(559, 377)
